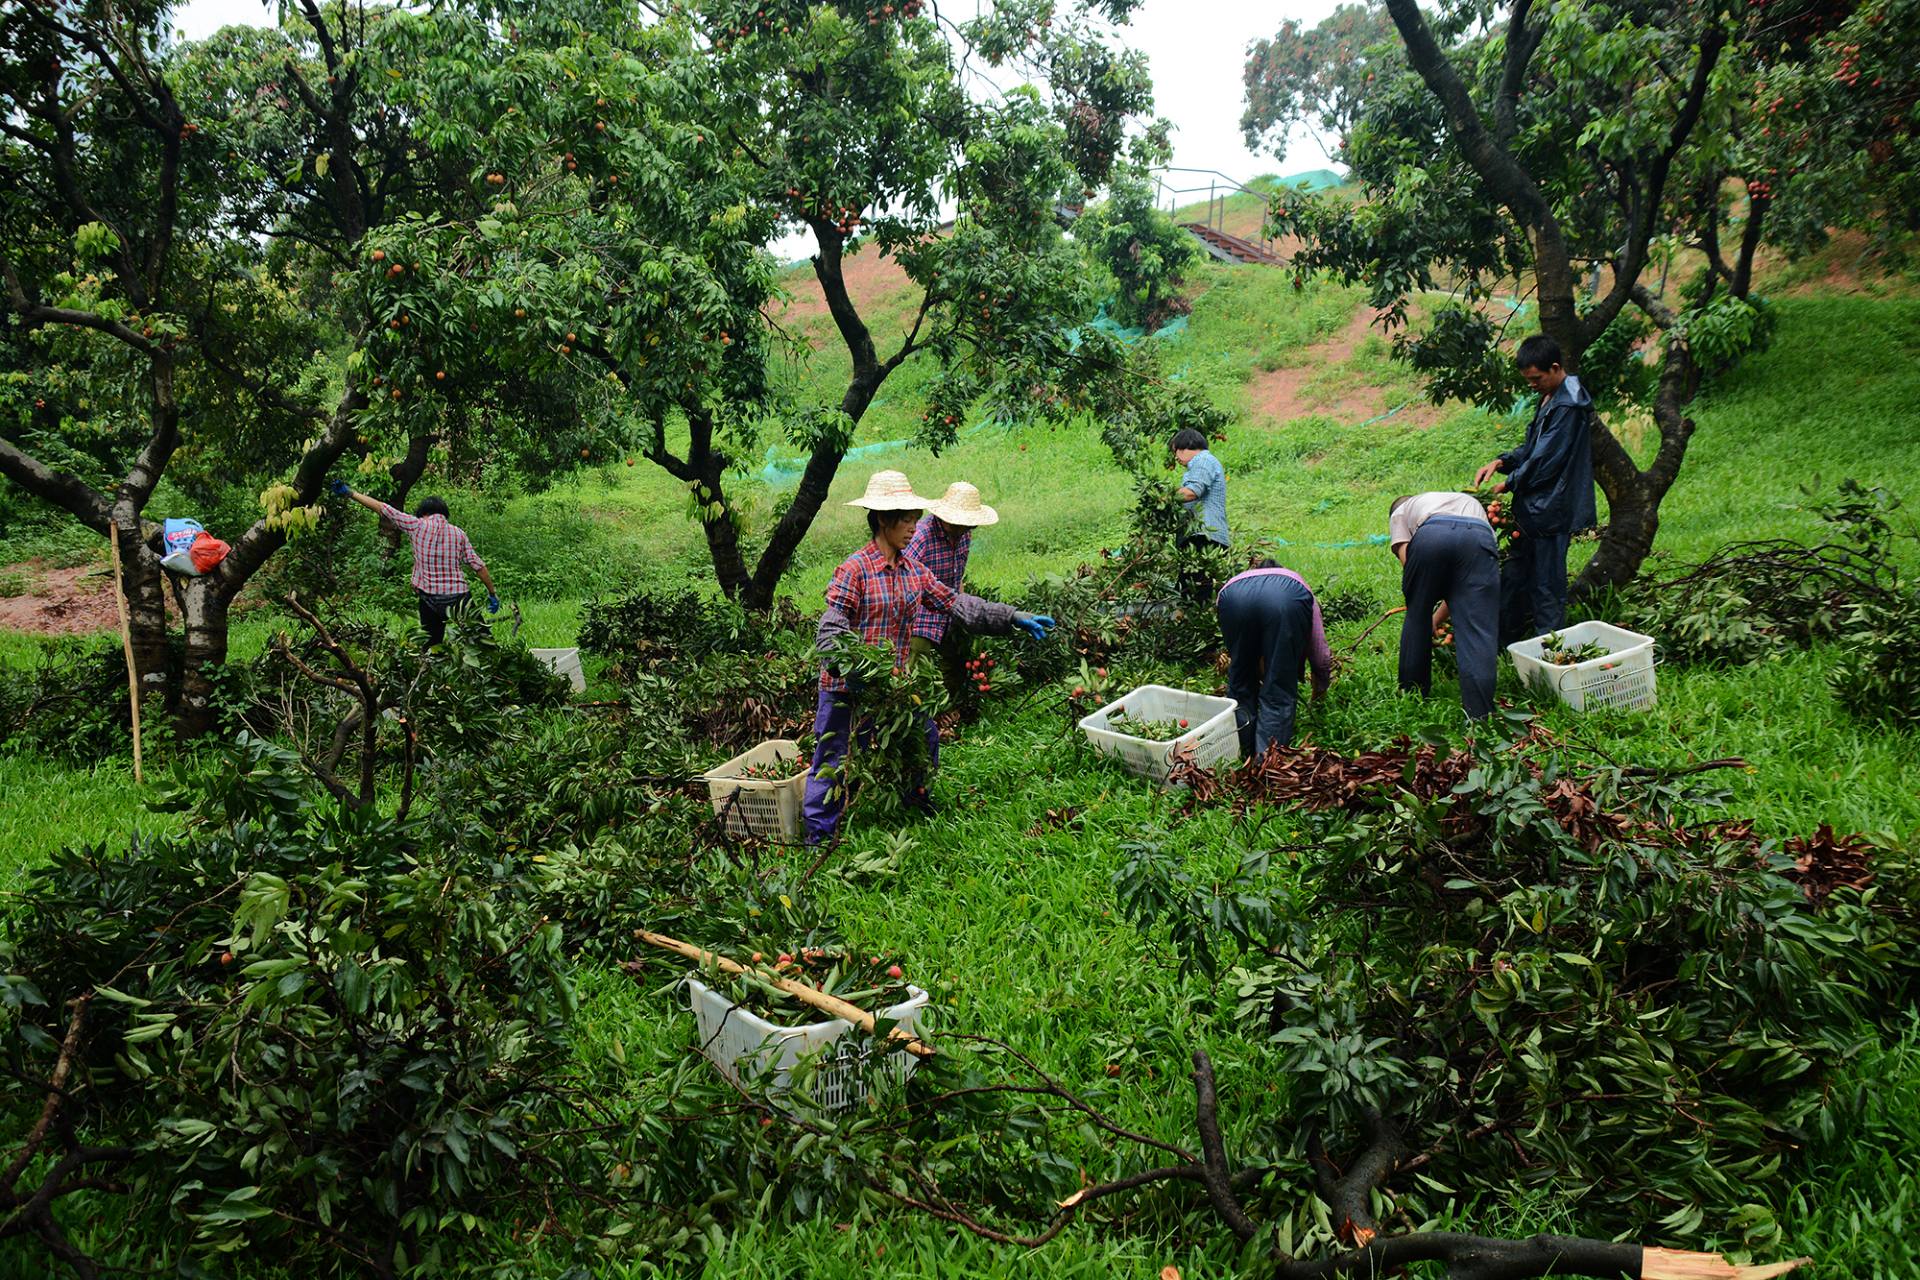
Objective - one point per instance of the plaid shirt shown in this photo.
(945, 557)
(439, 549)
(881, 600)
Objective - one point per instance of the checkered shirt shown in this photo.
(439, 549)
(881, 600)
(945, 558)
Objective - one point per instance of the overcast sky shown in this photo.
(1197, 47)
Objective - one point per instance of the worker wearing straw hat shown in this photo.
(941, 542)
(874, 598)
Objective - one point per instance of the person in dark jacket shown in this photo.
(1551, 479)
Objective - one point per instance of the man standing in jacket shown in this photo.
(1551, 479)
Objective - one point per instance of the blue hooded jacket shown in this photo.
(1551, 474)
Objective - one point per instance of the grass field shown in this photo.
(1017, 932)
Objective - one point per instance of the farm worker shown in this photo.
(1273, 629)
(1203, 488)
(439, 549)
(941, 542)
(1450, 572)
(873, 599)
(1551, 478)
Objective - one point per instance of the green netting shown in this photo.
(1313, 180)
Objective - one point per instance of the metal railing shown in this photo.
(1219, 187)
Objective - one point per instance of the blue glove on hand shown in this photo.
(1034, 624)
(340, 487)
(493, 604)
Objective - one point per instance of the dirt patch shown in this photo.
(873, 282)
(60, 602)
(1304, 389)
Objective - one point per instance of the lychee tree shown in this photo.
(183, 229)
(639, 171)
(1318, 76)
(1563, 153)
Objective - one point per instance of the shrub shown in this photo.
(313, 1032)
(72, 705)
(1543, 980)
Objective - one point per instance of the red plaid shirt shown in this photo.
(439, 549)
(945, 557)
(881, 600)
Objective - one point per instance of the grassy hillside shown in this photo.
(1015, 919)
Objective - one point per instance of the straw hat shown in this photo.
(961, 504)
(889, 491)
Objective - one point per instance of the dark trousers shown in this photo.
(1533, 585)
(1267, 621)
(1196, 584)
(1453, 559)
(435, 609)
(826, 793)
(952, 652)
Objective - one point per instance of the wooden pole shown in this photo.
(798, 990)
(126, 643)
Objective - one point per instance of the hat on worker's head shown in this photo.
(889, 491)
(961, 504)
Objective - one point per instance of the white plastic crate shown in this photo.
(765, 807)
(747, 1049)
(1212, 738)
(565, 662)
(1622, 679)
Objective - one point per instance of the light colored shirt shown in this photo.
(1206, 480)
(1422, 507)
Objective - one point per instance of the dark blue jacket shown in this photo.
(1551, 475)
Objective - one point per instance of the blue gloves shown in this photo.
(1034, 624)
(493, 604)
(340, 487)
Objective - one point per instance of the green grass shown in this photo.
(45, 807)
(1016, 932)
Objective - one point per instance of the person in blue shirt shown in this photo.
(1551, 479)
(1203, 488)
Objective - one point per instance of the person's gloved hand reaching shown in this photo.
(340, 487)
(1034, 624)
(493, 603)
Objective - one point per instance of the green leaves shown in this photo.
(1647, 1016)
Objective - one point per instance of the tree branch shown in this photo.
(1648, 202)
(1521, 43)
(1206, 1115)
(68, 492)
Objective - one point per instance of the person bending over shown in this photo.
(1449, 571)
(1273, 630)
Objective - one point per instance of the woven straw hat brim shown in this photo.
(881, 495)
(972, 517)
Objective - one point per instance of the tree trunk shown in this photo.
(1633, 495)
(206, 649)
(144, 582)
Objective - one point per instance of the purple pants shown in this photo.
(832, 728)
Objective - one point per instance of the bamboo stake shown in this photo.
(126, 643)
(798, 990)
(1679, 1264)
